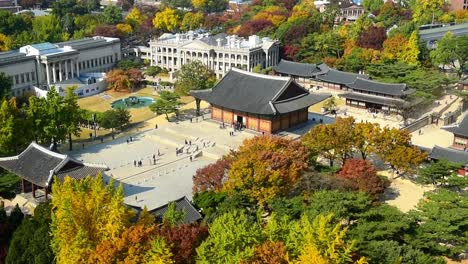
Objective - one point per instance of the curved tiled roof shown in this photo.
(258, 93)
(453, 155)
(378, 87)
(459, 129)
(297, 68)
(38, 165)
(340, 77)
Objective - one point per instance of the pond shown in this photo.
(132, 102)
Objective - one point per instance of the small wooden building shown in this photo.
(38, 165)
(377, 95)
(460, 134)
(259, 102)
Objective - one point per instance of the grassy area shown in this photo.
(99, 104)
(317, 108)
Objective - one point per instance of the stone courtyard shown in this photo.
(153, 185)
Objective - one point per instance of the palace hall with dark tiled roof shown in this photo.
(365, 93)
(38, 166)
(360, 91)
(259, 102)
(460, 134)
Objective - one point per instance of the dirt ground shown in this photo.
(403, 193)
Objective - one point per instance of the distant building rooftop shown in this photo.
(438, 33)
(221, 40)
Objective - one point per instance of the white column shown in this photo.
(60, 71)
(77, 69)
(54, 73)
(47, 73)
(66, 70)
(72, 66)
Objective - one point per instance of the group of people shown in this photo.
(196, 119)
(139, 163)
(129, 140)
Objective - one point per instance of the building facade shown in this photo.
(460, 134)
(456, 5)
(220, 52)
(432, 35)
(10, 5)
(44, 65)
(259, 102)
(357, 89)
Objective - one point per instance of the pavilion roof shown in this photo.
(191, 213)
(297, 68)
(258, 93)
(340, 77)
(38, 165)
(375, 99)
(459, 128)
(453, 155)
(393, 89)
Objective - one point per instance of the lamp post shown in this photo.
(94, 124)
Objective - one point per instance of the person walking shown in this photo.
(134, 163)
(190, 158)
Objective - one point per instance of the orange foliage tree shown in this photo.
(270, 253)
(266, 167)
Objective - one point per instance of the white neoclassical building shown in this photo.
(220, 52)
(44, 65)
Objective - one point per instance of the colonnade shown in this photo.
(220, 61)
(61, 70)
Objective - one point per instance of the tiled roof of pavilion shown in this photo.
(340, 77)
(393, 89)
(38, 165)
(297, 68)
(460, 128)
(395, 102)
(258, 93)
(191, 213)
(453, 155)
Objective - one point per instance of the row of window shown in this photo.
(23, 78)
(95, 62)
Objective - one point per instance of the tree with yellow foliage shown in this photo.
(5, 42)
(426, 10)
(85, 213)
(210, 6)
(276, 14)
(306, 8)
(167, 20)
(192, 21)
(135, 18)
(324, 242)
(124, 29)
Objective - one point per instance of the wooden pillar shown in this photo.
(33, 190)
(22, 185)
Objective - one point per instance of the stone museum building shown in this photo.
(220, 52)
(46, 64)
(259, 102)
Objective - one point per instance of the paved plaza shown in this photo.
(153, 185)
